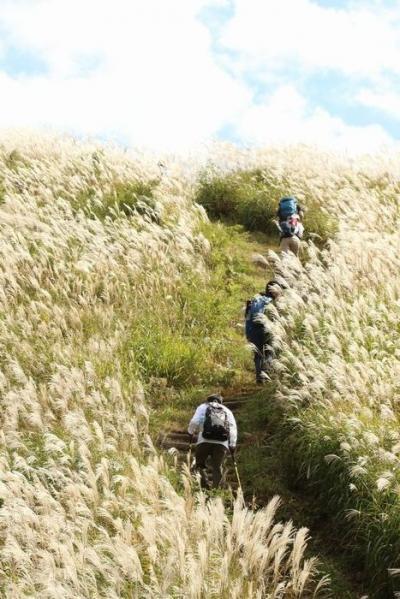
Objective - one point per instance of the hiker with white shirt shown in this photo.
(217, 433)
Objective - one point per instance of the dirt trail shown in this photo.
(296, 506)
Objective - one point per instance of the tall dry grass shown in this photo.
(339, 337)
(338, 341)
(90, 239)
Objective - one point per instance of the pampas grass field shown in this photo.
(338, 334)
(106, 287)
(118, 299)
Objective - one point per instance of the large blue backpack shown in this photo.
(287, 207)
(256, 306)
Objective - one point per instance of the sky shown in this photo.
(174, 74)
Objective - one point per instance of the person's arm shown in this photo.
(247, 310)
(300, 230)
(232, 430)
(197, 419)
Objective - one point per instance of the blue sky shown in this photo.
(172, 74)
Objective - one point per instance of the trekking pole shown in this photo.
(190, 452)
(236, 471)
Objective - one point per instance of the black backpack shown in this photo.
(216, 423)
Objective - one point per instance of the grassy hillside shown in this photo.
(336, 384)
(117, 297)
(120, 307)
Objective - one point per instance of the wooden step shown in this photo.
(181, 437)
(179, 445)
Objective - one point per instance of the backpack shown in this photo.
(289, 227)
(216, 423)
(287, 207)
(256, 306)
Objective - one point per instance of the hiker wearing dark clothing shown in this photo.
(290, 226)
(217, 433)
(257, 332)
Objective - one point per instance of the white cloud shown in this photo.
(269, 34)
(155, 80)
(387, 101)
(286, 118)
(156, 83)
(64, 30)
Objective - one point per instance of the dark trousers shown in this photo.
(216, 452)
(263, 352)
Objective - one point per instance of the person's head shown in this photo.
(273, 289)
(215, 397)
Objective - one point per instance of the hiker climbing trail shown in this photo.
(268, 475)
(180, 439)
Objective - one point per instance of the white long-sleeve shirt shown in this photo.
(196, 426)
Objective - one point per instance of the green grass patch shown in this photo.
(188, 340)
(126, 198)
(251, 197)
(239, 197)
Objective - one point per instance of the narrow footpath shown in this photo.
(264, 475)
(262, 461)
